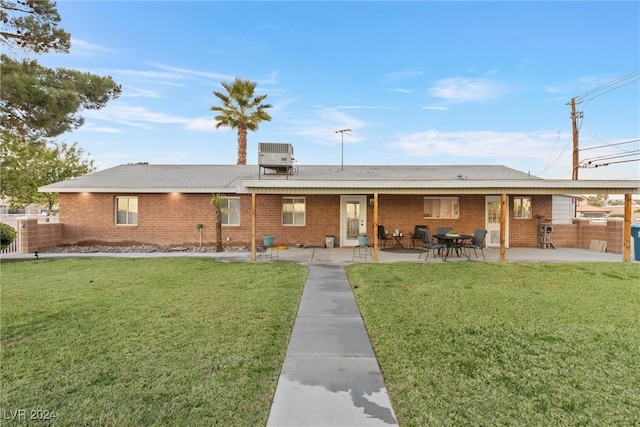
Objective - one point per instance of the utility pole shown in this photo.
(575, 115)
(342, 131)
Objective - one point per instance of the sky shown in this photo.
(417, 83)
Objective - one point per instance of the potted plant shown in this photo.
(363, 239)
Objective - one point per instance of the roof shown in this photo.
(318, 179)
(145, 178)
(589, 208)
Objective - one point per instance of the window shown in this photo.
(522, 207)
(126, 210)
(441, 208)
(231, 211)
(293, 211)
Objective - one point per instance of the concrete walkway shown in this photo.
(330, 376)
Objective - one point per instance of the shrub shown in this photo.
(7, 235)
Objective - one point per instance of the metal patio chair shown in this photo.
(428, 245)
(477, 242)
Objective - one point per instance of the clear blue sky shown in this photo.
(416, 82)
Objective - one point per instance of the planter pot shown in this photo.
(268, 240)
(362, 241)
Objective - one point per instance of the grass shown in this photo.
(132, 342)
(490, 344)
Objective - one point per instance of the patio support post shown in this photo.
(375, 227)
(253, 226)
(626, 229)
(503, 226)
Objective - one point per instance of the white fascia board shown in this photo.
(633, 186)
(132, 190)
(248, 186)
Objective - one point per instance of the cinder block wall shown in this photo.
(583, 231)
(35, 236)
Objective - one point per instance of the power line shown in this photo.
(597, 165)
(610, 145)
(579, 115)
(610, 156)
(609, 87)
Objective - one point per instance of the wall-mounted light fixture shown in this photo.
(371, 202)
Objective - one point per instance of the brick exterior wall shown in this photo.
(171, 219)
(404, 212)
(163, 219)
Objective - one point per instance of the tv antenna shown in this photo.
(342, 132)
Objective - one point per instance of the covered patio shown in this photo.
(503, 189)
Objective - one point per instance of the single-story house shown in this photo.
(589, 211)
(171, 204)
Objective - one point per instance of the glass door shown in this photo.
(353, 219)
(492, 220)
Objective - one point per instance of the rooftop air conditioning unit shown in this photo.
(275, 155)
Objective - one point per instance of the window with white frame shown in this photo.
(126, 210)
(522, 207)
(293, 210)
(230, 211)
(441, 208)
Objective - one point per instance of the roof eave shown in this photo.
(136, 190)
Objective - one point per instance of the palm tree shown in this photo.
(241, 109)
(217, 201)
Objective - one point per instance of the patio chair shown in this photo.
(382, 235)
(477, 242)
(443, 230)
(416, 235)
(427, 244)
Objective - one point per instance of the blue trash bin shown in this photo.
(635, 233)
(268, 240)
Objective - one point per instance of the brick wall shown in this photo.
(404, 212)
(163, 219)
(171, 219)
(36, 236)
(523, 233)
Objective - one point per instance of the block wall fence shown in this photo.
(172, 220)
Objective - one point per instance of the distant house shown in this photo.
(618, 210)
(589, 211)
(170, 204)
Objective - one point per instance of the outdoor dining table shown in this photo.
(454, 242)
(398, 239)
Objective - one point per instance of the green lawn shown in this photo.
(132, 342)
(501, 344)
